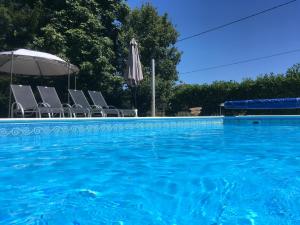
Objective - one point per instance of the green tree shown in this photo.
(19, 20)
(83, 32)
(156, 37)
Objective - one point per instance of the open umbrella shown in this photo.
(133, 73)
(28, 62)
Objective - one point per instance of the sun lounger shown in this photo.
(80, 101)
(99, 100)
(26, 105)
(50, 97)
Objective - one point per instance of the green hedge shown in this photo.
(209, 96)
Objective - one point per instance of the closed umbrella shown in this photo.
(34, 63)
(134, 73)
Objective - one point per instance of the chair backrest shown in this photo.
(23, 94)
(49, 96)
(97, 98)
(79, 98)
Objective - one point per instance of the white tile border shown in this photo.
(33, 126)
(47, 126)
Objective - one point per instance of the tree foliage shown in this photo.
(94, 35)
(156, 36)
(84, 33)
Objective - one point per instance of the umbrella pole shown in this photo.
(132, 99)
(68, 83)
(153, 89)
(135, 94)
(11, 77)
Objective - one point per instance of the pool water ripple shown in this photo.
(217, 174)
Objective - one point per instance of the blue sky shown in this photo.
(267, 34)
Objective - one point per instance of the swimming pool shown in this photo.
(150, 171)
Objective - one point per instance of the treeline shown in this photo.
(210, 96)
(95, 36)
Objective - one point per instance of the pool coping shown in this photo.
(116, 119)
(15, 120)
(247, 117)
(145, 118)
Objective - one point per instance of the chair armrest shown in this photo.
(19, 107)
(77, 106)
(112, 107)
(66, 105)
(96, 107)
(43, 104)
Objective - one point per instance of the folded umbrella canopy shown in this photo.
(134, 73)
(34, 63)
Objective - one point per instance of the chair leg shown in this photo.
(12, 113)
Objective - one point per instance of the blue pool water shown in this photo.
(183, 173)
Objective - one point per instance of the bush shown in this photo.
(210, 96)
